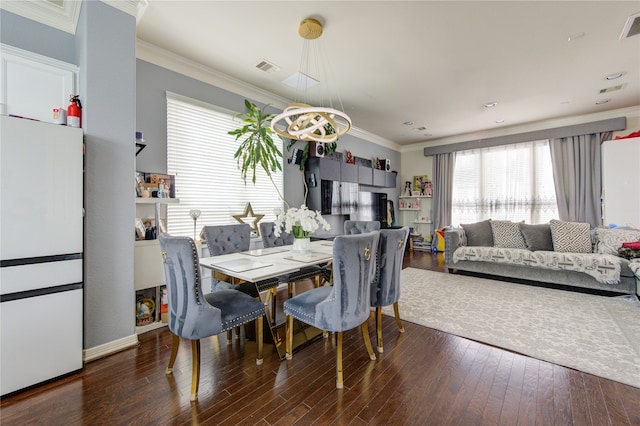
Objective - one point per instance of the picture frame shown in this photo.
(420, 184)
(141, 230)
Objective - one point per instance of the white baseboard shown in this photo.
(109, 348)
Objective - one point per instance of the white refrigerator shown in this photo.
(41, 251)
(621, 182)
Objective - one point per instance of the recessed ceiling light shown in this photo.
(575, 36)
(500, 121)
(615, 75)
(420, 129)
(408, 123)
(603, 101)
(490, 104)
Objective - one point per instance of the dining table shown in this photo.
(260, 266)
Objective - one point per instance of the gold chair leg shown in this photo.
(339, 381)
(267, 297)
(195, 368)
(259, 339)
(273, 304)
(396, 311)
(367, 340)
(379, 328)
(174, 353)
(289, 337)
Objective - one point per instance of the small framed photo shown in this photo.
(420, 184)
(163, 225)
(140, 229)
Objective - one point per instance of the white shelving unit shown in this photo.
(419, 218)
(148, 268)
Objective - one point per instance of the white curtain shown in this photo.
(508, 182)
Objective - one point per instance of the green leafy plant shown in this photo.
(259, 145)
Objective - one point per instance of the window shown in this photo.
(200, 155)
(509, 182)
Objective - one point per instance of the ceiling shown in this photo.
(432, 63)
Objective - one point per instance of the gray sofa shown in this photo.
(535, 253)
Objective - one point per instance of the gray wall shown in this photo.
(105, 42)
(151, 112)
(37, 38)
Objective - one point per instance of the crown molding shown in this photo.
(60, 14)
(163, 58)
(131, 7)
(633, 111)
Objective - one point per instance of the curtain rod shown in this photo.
(618, 123)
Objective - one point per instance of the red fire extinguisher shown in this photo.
(74, 112)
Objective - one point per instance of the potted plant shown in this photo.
(260, 144)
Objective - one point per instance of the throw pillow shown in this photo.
(537, 237)
(506, 234)
(478, 234)
(570, 237)
(609, 240)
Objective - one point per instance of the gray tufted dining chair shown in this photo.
(346, 304)
(270, 240)
(228, 239)
(385, 288)
(194, 315)
(315, 272)
(360, 226)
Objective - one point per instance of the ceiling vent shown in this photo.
(613, 88)
(631, 27)
(267, 66)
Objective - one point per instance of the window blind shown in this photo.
(200, 155)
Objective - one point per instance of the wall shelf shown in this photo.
(140, 200)
(148, 268)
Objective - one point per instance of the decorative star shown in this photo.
(249, 214)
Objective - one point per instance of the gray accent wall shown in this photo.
(151, 112)
(105, 44)
(29, 35)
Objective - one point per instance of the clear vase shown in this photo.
(301, 245)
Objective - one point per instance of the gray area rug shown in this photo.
(594, 334)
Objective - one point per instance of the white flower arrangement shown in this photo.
(300, 222)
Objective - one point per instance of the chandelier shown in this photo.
(300, 120)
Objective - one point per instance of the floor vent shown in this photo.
(631, 27)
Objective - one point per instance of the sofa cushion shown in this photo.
(537, 237)
(506, 234)
(609, 240)
(570, 237)
(478, 234)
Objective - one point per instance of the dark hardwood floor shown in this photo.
(424, 377)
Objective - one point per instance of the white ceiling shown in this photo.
(434, 63)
